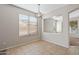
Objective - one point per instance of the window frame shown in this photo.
(55, 25)
(27, 25)
(34, 33)
(36, 26)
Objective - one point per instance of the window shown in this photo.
(27, 25)
(59, 26)
(53, 24)
(59, 21)
(32, 25)
(23, 24)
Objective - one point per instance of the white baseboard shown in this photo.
(21, 44)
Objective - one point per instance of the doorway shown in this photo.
(74, 27)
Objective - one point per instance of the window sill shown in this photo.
(22, 35)
(32, 34)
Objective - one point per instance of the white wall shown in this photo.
(62, 38)
(9, 27)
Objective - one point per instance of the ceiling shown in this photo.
(44, 8)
